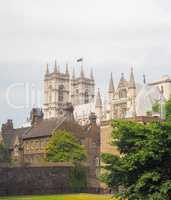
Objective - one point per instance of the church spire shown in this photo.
(67, 71)
(132, 84)
(55, 67)
(98, 99)
(111, 88)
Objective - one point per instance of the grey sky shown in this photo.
(111, 35)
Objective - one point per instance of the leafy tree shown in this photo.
(64, 147)
(168, 109)
(144, 167)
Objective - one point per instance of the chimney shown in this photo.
(36, 115)
(8, 126)
(68, 110)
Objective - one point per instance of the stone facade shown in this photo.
(121, 99)
(60, 88)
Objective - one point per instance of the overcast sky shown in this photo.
(111, 35)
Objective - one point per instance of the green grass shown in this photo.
(61, 197)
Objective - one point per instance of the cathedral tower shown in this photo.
(82, 88)
(61, 88)
(56, 91)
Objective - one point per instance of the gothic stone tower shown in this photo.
(121, 99)
(60, 88)
(82, 89)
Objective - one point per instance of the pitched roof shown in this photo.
(45, 128)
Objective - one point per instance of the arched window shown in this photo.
(86, 97)
(123, 93)
(61, 93)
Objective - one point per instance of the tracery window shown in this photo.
(61, 93)
(122, 93)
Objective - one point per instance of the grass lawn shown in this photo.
(61, 197)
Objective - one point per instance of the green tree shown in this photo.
(64, 147)
(168, 110)
(144, 167)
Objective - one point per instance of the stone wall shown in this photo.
(34, 180)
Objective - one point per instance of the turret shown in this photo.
(132, 93)
(55, 67)
(111, 89)
(132, 84)
(66, 70)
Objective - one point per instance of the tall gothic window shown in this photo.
(61, 93)
(86, 97)
(123, 93)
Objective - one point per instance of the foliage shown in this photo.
(156, 108)
(4, 153)
(63, 147)
(144, 167)
(168, 109)
(78, 179)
